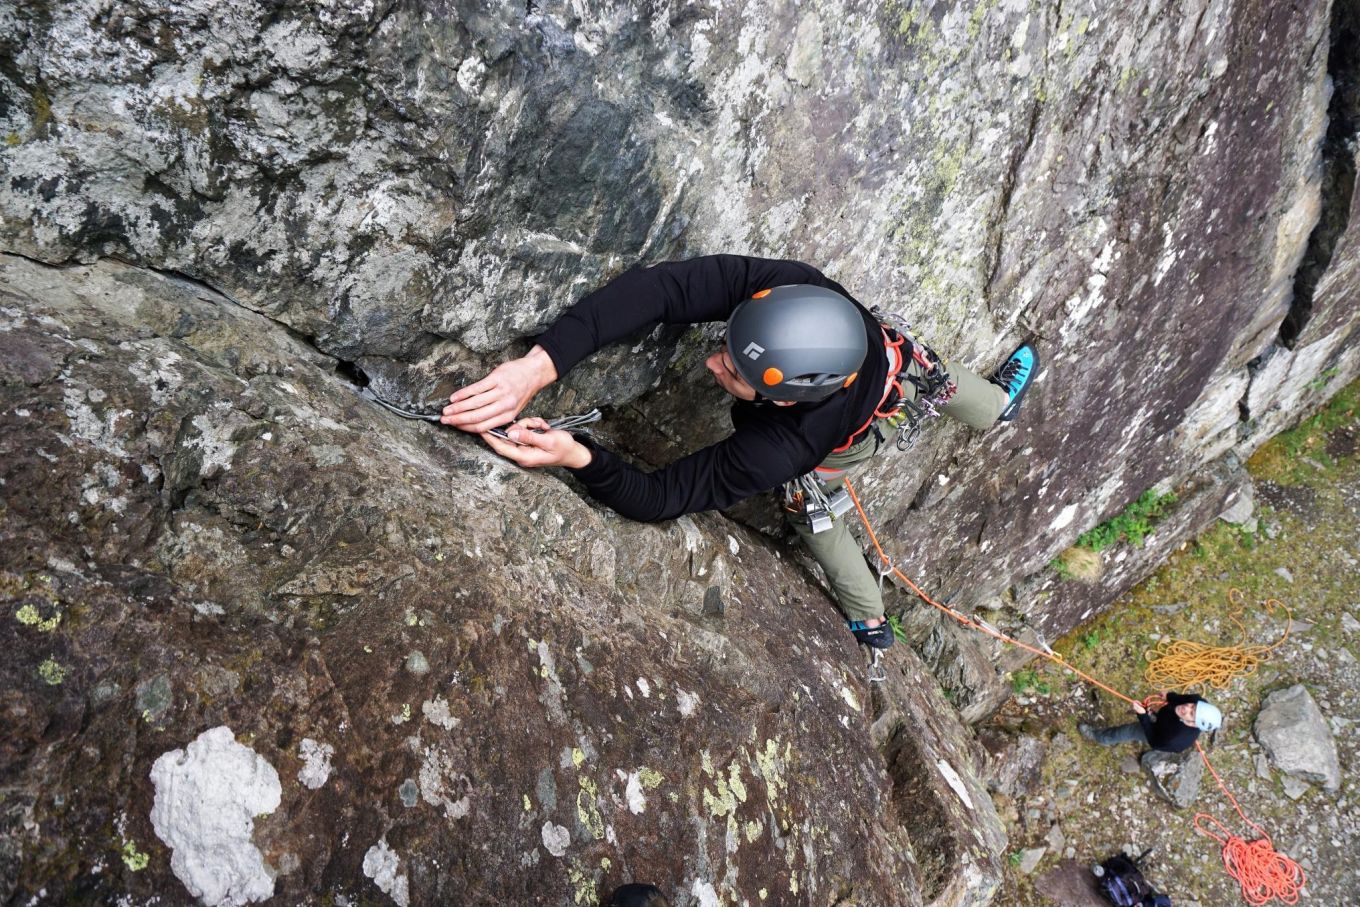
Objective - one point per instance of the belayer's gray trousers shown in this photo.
(977, 403)
(1124, 733)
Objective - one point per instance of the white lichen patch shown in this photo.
(383, 866)
(556, 838)
(436, 711)
(704, 894)
(552, 695)
(686, 702)
(316, 763)
(850, 698)
(214, 442)
(636, 784)
(101, 431)
(440, 785)
(207, 797)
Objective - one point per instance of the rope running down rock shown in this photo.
(1263, 874)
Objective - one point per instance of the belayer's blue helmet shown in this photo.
(797, 343)
(1207, 716)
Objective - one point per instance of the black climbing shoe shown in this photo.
(880, 637)
(1014, 377)
(1087, 731)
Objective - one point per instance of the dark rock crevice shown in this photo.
(1338, 166)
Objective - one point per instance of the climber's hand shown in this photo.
(1138, 709)
(501, 395)
(533, 444)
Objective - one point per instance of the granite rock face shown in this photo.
(204, 528)
(439, 696)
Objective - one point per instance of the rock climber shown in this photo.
(1175, 729)
(816, 376)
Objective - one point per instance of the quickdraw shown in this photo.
(807, 500)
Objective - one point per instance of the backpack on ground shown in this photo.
(1121, 881)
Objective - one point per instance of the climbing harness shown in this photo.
(1263, 874)
(933, 387)
(1182, 663)
(566, 423)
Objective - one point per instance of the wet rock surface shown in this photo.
(457, 701)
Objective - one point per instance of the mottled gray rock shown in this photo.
(1029, 859)
(1241, 506)
(1295, 735)
(959, 840)
(1175, 776)
(1014, 762)
(1069, 884)
(416, 189)
(420, 189)
(206, 528)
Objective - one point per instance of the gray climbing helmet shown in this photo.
(797, 343)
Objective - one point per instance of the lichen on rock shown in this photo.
(207, 797)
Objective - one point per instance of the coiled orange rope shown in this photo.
(1181, 664)
(1263, 874)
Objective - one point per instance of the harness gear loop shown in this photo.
(933, 387)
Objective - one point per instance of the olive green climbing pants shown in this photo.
(977, 403)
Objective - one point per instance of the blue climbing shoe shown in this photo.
(1014, 377)
(880, 637)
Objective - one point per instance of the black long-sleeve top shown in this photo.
(1167, 732)
(769, 445)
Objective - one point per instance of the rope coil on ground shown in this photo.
(1263, 874)
(1182, 663)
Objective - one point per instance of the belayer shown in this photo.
(1175, 728)
(817, 378)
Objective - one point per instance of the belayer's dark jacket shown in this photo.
(769, 445)
(1167, 732)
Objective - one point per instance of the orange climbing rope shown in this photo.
(1263, 874)
(1182, 663)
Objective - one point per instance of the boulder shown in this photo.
(1241, 506)
(1069, 884)
(1175, 776)
(1295, 736)
(933, 763)
(1014, 762)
